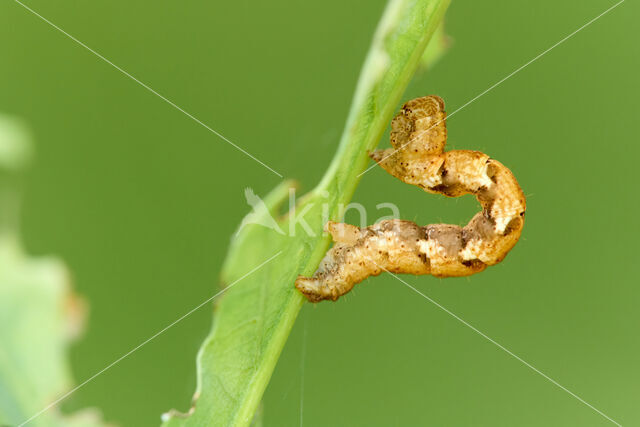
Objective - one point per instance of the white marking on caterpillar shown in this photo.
(419, 134)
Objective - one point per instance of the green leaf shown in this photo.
(39, 314)
(255, 315)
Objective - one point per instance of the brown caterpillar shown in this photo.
(418, 137)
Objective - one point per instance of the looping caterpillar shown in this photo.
(418, 137)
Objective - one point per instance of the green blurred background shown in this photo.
(141, 202)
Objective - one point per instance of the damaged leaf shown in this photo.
(253, 318)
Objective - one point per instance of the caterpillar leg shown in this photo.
(392, 245)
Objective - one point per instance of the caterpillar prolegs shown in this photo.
(418, 137)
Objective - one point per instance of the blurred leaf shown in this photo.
(437, 47)
(39, 315)
(15, 145)
(253, 319)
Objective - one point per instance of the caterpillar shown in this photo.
(418, 137)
